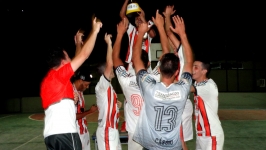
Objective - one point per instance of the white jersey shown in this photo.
(107, 133)
(159, 124)
(206, 109)
(107, 104)
(132, 33)
(60, 118)
(132, 95)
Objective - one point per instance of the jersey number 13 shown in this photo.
(169, 112)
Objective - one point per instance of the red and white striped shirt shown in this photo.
(132, 36)
(80, 108)
(107, 104)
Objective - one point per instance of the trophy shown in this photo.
(132, 9)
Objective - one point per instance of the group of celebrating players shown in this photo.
(158, 111)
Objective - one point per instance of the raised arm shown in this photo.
(121, 29)
(109, 60)
(137, 50)
(169, 11)
(78, 41)
(159, 22)
(88, 46)
(180, 30)
(123, 10)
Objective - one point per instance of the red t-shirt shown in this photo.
(56, 86)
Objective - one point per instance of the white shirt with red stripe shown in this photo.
(81, 123)
(107, 104)
(206, 109)
(132, 36)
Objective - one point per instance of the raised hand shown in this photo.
(96, 25)
(143, 28)
(169, 10)
(158, 20)
(107, 38)
(179, 25)
(78, 37)
(122, 26)
(93, 108)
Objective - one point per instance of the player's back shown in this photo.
(131, 91)
(160, 120)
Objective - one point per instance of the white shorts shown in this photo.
(187, 121)
(85, 141)
(132, 145)
(210, 142)
(110, 142)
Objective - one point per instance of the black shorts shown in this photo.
(66, 141)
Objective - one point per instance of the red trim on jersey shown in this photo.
(199, 127)
(134, 42)
(128, 50)
(181, 133)
(113, 124)
(106, 138)
(81, 128)
(147, 45)
(204, 115)
(214, 143)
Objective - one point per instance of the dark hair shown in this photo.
(82, 73)
(205, 65)
(55, 55)
(145, 58)
(169, 65)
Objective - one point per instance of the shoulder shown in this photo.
(121, 71)
(212, 83)
(186, 78)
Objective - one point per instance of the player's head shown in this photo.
(82, 79)
(169, 65)
(201, 70)
(101, 68)
(57, 57)
(138, 21)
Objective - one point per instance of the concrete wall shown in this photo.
(226, 101)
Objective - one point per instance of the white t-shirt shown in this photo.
(206, 109)
(60, 118)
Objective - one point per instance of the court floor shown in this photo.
(22, 132)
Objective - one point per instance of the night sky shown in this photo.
(216, 30)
